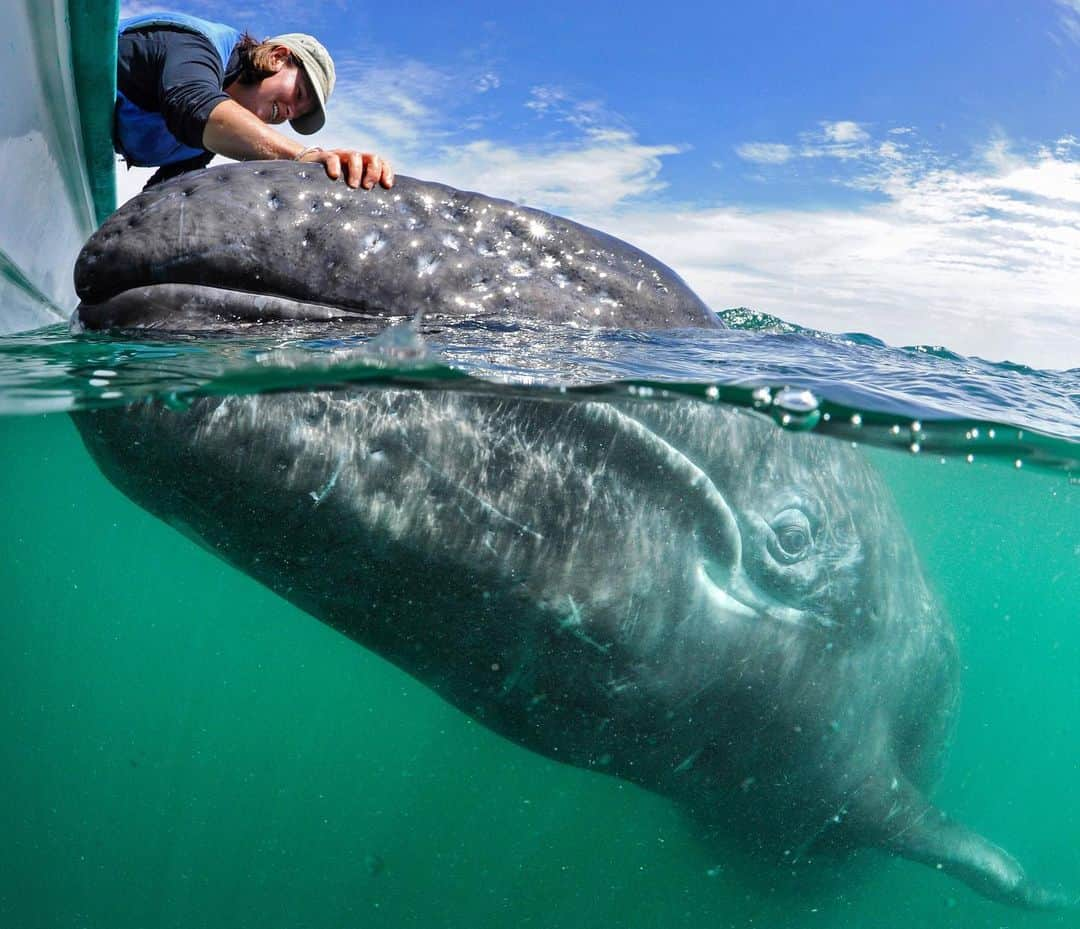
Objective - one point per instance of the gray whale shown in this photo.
(276, 240)
(678, 595)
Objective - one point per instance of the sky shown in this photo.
(911, 171)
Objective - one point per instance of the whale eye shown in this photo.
(792, 537)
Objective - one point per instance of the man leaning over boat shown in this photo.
(189, 89)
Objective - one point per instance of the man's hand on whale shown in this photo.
(361, 169)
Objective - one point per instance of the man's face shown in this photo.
(283, 96)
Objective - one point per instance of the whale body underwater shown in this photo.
(680, 595)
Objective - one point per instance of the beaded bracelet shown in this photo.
(306, 151)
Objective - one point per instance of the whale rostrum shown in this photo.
(277, 240)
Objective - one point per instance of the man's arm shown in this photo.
(238, 133)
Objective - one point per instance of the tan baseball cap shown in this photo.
(319, 67)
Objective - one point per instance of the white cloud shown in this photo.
(555, 102)
(844, 132)
(1069, 18)
(890, 150)
(983, 259)
(586, 178)
(544, 99)
(844, 140)
(767, 153)
(402, 106)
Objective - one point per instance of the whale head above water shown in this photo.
(675, 594)
(277, 240)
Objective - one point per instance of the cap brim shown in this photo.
(309, 122)
(316, 119)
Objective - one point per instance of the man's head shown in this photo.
(287, 77)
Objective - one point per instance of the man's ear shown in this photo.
(279, 57)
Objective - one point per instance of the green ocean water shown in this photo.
(184, 749)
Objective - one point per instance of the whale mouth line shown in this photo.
(181, 306)
(725, 604)
(739, 599)
(208, 291)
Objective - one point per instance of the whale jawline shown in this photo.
(177, 307)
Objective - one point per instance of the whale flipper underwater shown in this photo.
(680, 595)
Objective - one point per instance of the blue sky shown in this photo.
(909, 170)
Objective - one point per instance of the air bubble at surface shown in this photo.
(796, 409)
(796, 400)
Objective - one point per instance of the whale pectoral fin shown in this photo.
(910, 826)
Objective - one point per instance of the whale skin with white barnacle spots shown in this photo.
(258, 241)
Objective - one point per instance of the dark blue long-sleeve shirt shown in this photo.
(177, 73)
